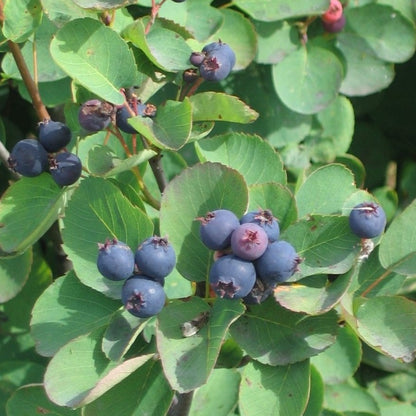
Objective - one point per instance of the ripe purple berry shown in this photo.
(249, 241)
(232, 277)
(122, 115)
(54, 135)
(95, 115)
(197, 58)
(336, 26)
(65, 168)
(155, 258)
(278, 263)
(115, 260)
(142, 297)
(367, 220)
(264, 218)
(216, 228)
(29, 158)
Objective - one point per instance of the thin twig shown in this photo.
(31, 86)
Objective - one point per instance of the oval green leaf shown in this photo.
(90, 53)
(308, 80)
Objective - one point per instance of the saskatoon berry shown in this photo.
(65, 168)
(115, 260)
(216, 228)
(122, 115)
(220, 48)
(232, 277)
(156, 258)
(278, 263)
(367, 220)
(95, 115)
(54, 135)
(249, 241)
(29, 158)
(263, 218)
(142, 297)
(197, 58)
(336, 26)
(333, 13)
(214, 68)
(258, 294)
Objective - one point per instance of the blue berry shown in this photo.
(232, 277)
(249, 241)
(220, 48)
(142, 297)
(95, 115)
(278, 263)
(216, 228)
(218, 63)
(197, 58)
(367, 220)
(65, 168)
(29, 158)
(155, 257)
(54, 135)
(122, 115)
(115, 260)
(264, 218)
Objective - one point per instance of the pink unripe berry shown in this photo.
(249, 241)
(333, 13)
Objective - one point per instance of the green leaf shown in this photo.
(21, 18)
(103, 4)
(190, 195)
(217, 106)
(397, 247)
(65, 310)
(349, 398)
(276, 40)
(14, 273)
(270, 391)
(90, 53)
(275, 197)
(46, 68)
(341, 360)
(381, 31)
(218, 396)
(27, 209)
(98, 210)
(270, 10)
(325, 190)
(165, 48)
(63, 11)
(145, 392)
(308, 80)
(276, 336)
(188, 361)
(32, 399)
(387, 323)
(121, 333)
(79, 372)
(316, 395)
(324, 243)
(314, 295)
(202, 20)
(254, 158)
(170, 129)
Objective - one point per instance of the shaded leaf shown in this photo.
(188, 361)
(27, 199)
(103, 4)
(270, 391)
(274, 335)
(65, 310)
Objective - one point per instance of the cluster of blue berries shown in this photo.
(143, 272)
(31, 157)
(215, 61)
(250, 258)
(96, 115)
